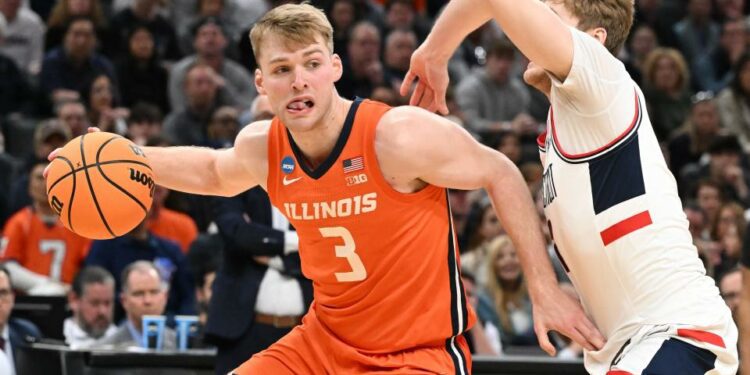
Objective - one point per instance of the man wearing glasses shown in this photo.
(14, 333)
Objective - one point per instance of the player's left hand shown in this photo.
(431, 75)
(557, 311)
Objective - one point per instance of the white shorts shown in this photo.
(679, 349)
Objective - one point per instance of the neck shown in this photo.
(136, 324)
(43, 209)
(318, 142)
(214, 61)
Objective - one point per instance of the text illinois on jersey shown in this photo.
(356, 205)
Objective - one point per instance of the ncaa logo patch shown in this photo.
(287, 165)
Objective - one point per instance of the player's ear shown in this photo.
(599, 33)
(338, 67)
(259, 82)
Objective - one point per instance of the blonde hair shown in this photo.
(296, 23)
(503, 294)
(649, 65)
(615, 16)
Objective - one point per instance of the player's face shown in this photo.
(144, 296)
(507, 267)
(298, 80)
(95, 308)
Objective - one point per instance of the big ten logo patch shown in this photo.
(143, 179)
(356, 179)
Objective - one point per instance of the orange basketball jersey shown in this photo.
(383, 263)
(50, 250)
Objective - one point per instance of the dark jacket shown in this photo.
(235, 289)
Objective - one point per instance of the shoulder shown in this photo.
(18, 217)
(254, 134)
(30, 17)
(23, 327)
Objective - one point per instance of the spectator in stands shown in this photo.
(734, 102)
(140, 244)
(14, 332)
(363, 70)
(144, 292)
(343, 14)
(65, 11)
(484, 337)
(697, 34)
(714, 72)
(103, 106)
(642, 42)
(730, 287)
(235, 83)
(144, 123)
(724, 167)
(142, 14)
(204, 257)
(507, 142)
(170, 224)
(259, 294)
(401, 15)
(24, 37)
(692, 139)
(708, 195)
(9, 167)
(507, 289)
(67, 71)
(399, 45)
(482, 227)
(220, 10)
(492, 99)
(223, 127)
(260, 109)
(666, 83)
(92, 302)
(140, 72)
(41, 254)
(72, 113)
(14, 88)
(729, 231)
(48, 135)
(187, 126)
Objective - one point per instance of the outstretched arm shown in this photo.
(531, 25)
(443, 154)
(743, 322)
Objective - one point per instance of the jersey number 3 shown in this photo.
(347, 251)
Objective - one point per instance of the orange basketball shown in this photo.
(101, 185)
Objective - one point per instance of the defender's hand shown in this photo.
(431, 75)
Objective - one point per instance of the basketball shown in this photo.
(101, 185)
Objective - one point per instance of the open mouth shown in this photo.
(300, 106)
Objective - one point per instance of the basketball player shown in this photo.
(364, 185)
(611, 202)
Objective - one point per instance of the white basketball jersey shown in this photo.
(613, 209)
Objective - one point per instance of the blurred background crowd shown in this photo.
(180, 73)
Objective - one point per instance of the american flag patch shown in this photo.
(354, 164)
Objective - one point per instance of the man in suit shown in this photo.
(14, 333)
(256, 298)
(143, 293)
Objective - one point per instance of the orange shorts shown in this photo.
(311, 349)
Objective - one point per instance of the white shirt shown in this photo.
(278, 294)
(77, 338)
(8, 350)
(613, 206)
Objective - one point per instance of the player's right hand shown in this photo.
(557, 311)
(52, 155)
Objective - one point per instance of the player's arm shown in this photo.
(205, 171)
(416, 147)
(533, 27)
(743, 322)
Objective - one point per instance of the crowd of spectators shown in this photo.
(181, 73)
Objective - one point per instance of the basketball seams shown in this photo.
(72, 192)
(101, 171)
(117, 161)
(91, 188)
